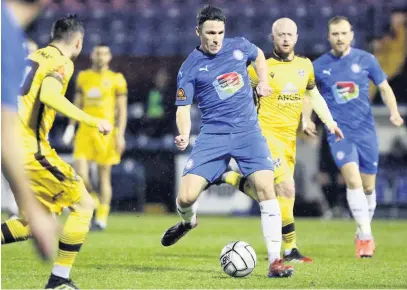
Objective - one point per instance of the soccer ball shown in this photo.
(238, 259)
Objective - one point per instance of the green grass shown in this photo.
(129, 255)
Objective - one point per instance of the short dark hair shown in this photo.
(101, 44)
(210, 13)
(64, 28)
(337, 19)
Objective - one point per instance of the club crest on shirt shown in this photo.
(238, 54)
(340, 155)
(301, 72)
(355, 68)
(189, 164)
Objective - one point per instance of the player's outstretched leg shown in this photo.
(73, 236)
(285, 190)
(270, 221)
(291, 252)
(191, 187)
(14, 230)
(359, 207)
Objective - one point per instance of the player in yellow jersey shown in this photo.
(103, 93)
(291, 77)
(53, 181)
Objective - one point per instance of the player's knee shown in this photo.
(86, 203)
(185, 201)
(265, 191)
(354, 182)
(187, 197)
(368, 189)
(285, 189)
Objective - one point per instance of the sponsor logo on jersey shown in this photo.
(345, 91)
(289, 94)
(94, 93)
(227, 85)
(289, 88)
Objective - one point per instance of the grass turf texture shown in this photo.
(129, 255)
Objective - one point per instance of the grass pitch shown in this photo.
(129, 255)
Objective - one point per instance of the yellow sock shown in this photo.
(287, 215)
(95, 197)
(74, 234)
(240, 183)
(102, 213)
(14, 230)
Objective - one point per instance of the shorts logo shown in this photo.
(340, 155)
(238, 54)
(189, 164)
(181, 95)
(277, 162)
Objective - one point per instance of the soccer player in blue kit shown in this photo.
(342, 76)
(215, 75)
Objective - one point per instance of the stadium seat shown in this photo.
(129, 182)
(400, 188)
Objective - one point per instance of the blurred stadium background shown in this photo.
(151, 38)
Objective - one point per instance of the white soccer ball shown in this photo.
(238, 259)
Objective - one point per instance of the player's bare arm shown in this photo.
(390, 100)
(260, 65)
(70, 129)
(122, 122)
(308, 126)
(59, 103)
(322, 110)
(183, 119)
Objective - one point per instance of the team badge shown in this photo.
(189, 164)
(301, 72)
(238, 54)
(181, 95)
(277, 162)
(355, 68)
(340, 155)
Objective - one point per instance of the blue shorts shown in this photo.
(212, 152)
(365, 152)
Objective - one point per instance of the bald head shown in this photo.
(284, 35)
(284, 25)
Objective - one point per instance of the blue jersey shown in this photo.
(12, 61)
(221, 87)
(344, 83)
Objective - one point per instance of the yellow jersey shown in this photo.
(36, 118)
(99, 91)
(280, 112)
